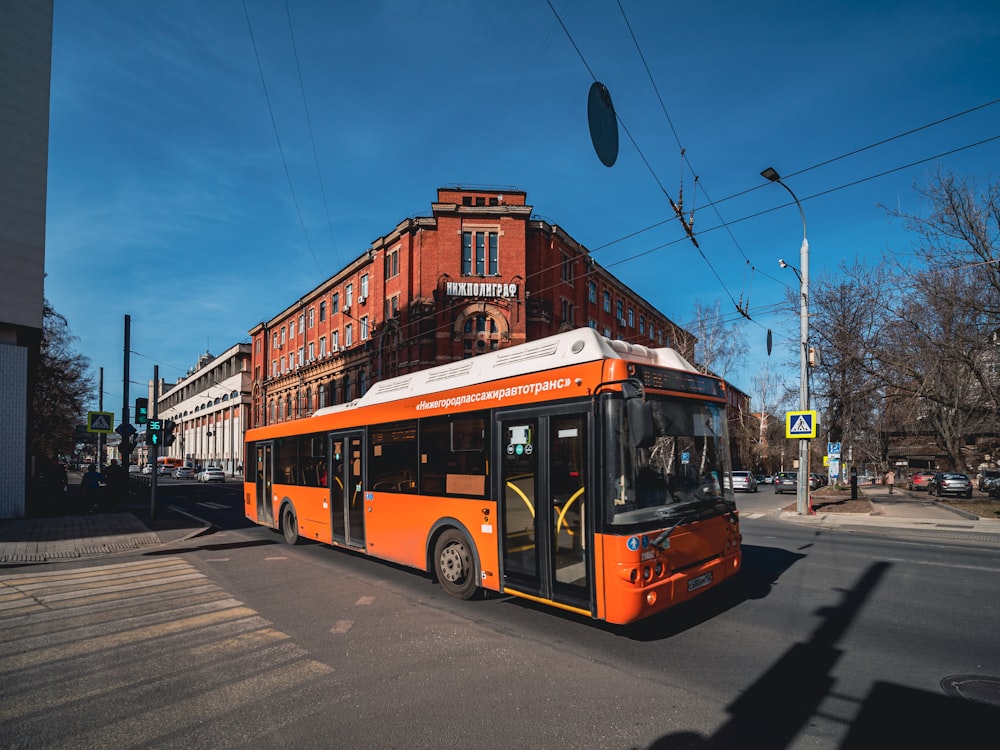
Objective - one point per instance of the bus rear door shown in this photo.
(265, 477)
(347, 501)
(544, 459)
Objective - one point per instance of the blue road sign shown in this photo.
(800, 424)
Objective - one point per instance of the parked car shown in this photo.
(815, 481)
(786, 481)
(745, 481)
(212, 474)
(183, 472)
(986, 478)
(949, 483)
(919, 480)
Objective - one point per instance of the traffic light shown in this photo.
(141, 410)
(154, 432)
(168, 432)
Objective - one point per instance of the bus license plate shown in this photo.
(702, 580)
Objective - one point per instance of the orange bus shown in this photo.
(578, 471)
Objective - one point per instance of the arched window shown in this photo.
(308, 407)
(347, 388)
(288, 406)
(321, 392)
(481, 335)
(362, 383)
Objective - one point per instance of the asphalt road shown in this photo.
(234, 639)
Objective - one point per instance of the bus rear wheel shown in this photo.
(454, 566)
(289, 526)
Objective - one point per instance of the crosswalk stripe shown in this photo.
(88, 635)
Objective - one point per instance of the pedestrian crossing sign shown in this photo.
(100, 421)
(800, 424)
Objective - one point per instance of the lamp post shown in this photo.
(802, 494)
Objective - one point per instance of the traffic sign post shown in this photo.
(802, 425)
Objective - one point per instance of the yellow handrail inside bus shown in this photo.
(531, 508)
(562, 513)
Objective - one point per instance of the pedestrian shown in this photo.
(90, 484)
(117, 486)
(890, 479)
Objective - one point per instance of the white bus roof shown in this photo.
(561, 350)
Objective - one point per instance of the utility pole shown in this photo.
(126, 444)
(100, 435)
(154, 449)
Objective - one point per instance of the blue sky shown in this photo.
(167, 181)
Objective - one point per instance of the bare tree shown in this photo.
(768, 438)
(938, 356)
(847, 310)
(62, 388)
(720, 347)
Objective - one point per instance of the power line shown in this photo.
(277, 137)
(312, 139)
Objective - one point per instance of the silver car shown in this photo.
(786, 481)
(950, 483)
(744, 480)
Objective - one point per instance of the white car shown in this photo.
(212, 474)
(743, 480)
(147, 469)
(183, 472)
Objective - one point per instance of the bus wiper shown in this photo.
(658, 542)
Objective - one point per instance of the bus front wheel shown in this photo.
(289, 526)
(453, 564)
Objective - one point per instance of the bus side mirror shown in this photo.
(639, 415)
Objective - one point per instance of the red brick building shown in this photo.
(478, 274)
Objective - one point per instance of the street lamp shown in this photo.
(802, 495)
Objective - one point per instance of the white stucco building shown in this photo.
(210, 406)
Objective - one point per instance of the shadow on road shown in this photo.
(778, 706)
(762, 567)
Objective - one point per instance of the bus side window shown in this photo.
(392, 465)
(287, 460)
(453, 455)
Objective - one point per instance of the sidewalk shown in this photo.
(911, 512)
(59, 538)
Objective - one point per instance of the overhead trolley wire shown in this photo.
(277, 137)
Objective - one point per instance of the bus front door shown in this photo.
(544, 462)
(347, 501)
(265, 506)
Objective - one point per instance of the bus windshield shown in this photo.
(678, 476)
